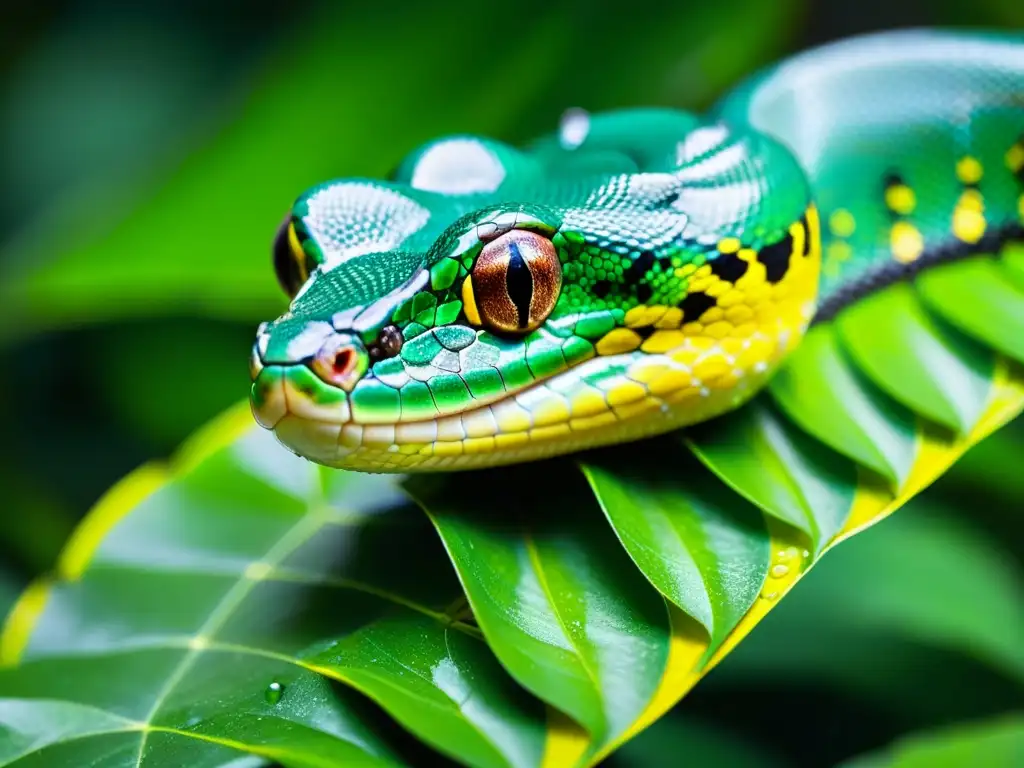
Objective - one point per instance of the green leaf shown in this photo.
(202, 608)
(934, 371)
(559, 601)
(996, 743)
(762, 456)
(977, 297)
(182, 598)
(1013, 264)
(698, 544)
(252, 601)
(824, 394)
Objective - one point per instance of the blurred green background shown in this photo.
(148, 153)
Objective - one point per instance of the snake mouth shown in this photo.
(598, 401)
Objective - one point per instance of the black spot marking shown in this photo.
(807, 234)
(641, 264)
(602, 288)
(729, 267)
(775, 258)
(892, 179)
(695, 305)
(519, 284)
(665, 262)
(644, 292)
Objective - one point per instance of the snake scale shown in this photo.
(638, 270)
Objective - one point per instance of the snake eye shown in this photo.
(289, 259)
(514, 284)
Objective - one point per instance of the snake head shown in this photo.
(636, 272)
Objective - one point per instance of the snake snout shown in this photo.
(304, 371)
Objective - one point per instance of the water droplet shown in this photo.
(780, 570)
(273, 693)
(769, 595)
(789, 553)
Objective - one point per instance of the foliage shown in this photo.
(243, 608)
(218, 578)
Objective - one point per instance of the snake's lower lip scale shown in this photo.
(280, 399)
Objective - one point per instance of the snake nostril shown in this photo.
(344, 361)
(337, 363)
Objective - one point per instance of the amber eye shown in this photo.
(514, 284)
(289, 259)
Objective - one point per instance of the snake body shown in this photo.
(637, 271)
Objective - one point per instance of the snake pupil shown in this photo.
(519, 284)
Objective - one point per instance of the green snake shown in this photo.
(637, 271)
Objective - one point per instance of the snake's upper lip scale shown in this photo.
(259, 357)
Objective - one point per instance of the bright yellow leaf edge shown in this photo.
(567, 742)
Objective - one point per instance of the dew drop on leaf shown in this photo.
(273, 693)
(780, 570)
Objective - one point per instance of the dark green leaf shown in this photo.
(200, 241)
(211, 614)
(703, 743)
(925, 576)
(558, 600)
